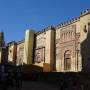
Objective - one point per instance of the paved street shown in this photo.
(35, 85)
(38, 86)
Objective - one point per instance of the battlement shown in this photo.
(45, 29)
(73, 20)
(11, 43)
(85, 12)
(66, 23)
(22, 41)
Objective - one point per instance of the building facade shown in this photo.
(20, 53)
(63, 48)
(12, 51)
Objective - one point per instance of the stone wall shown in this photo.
(44, 50)
(65, 47)
(39, 56)
(12, 52)
(65, 42)
(20, 53)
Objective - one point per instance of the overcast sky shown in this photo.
(18, 15)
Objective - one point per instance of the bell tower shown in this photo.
(2, 42)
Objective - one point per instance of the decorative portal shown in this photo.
(40, 55)
(67, 60)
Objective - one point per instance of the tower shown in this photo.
(2, 42)
(28, 47)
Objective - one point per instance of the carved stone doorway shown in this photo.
(67, 60)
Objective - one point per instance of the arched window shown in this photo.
(38, 57)
(67, 60)
(62, 36)
(85, 29)
(71, 34)
(66, 35)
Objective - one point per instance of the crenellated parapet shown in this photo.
(73, 20)
(85, 12)
(45, 29)
(21, 41)
(66, 23)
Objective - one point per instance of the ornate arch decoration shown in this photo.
(67, 60)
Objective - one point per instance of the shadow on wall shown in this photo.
(30, 69)
(85, 51)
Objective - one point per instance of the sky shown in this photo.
(16, 16)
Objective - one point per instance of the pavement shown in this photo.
(38, 86)
(34, 85)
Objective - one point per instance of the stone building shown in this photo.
(63, 48)
(20, 53)
(12, 51)
(16, 52)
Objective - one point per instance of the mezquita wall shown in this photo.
(12, 51)
(20, 53)
(63, 48)
(40, 49)
(66, 47)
